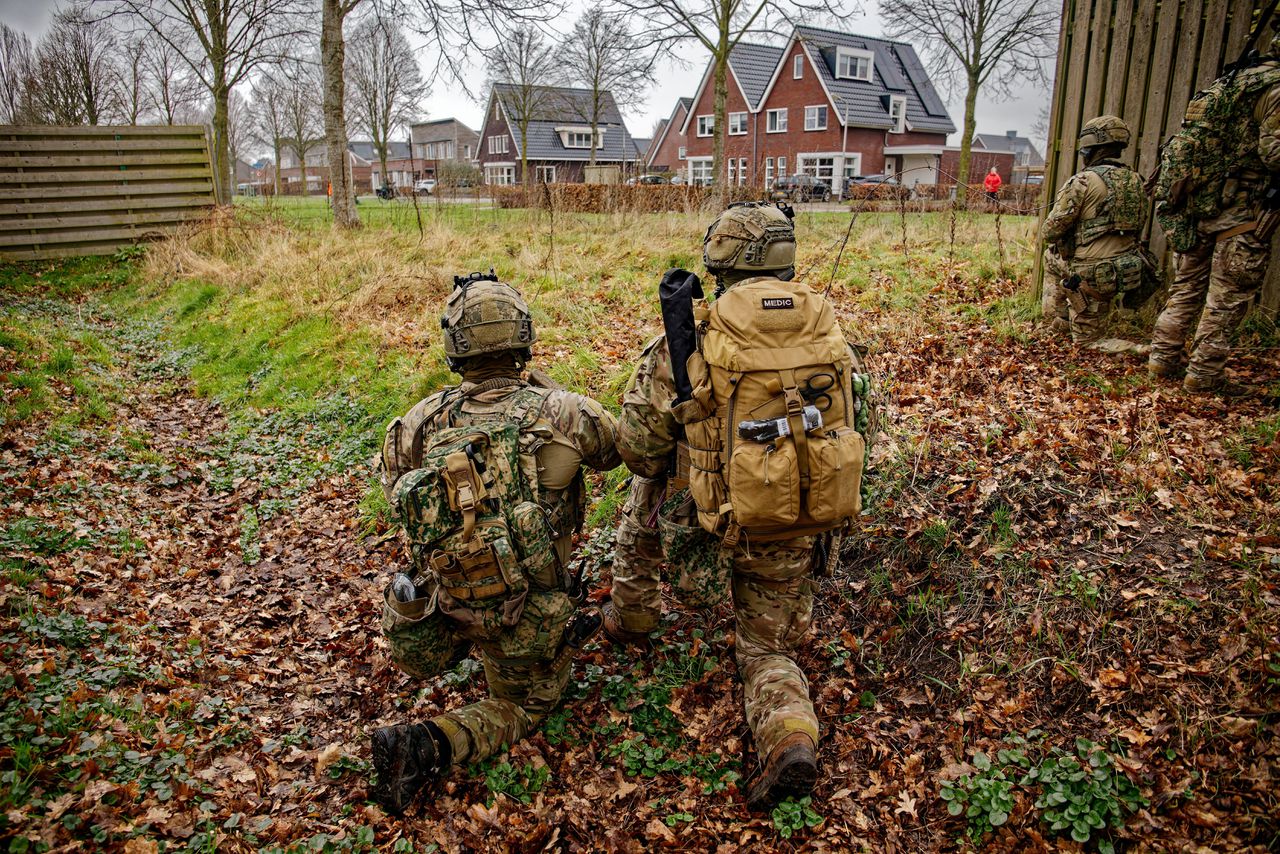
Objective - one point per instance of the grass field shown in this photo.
(1063, 592)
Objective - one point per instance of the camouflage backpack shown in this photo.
(472, 518)
(1218, 138)
(774, 446)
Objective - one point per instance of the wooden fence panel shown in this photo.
(91, 190)
(1155, 54)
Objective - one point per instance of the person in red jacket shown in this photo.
(992, 184)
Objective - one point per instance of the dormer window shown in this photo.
(579, 137)
(854, 64)
(898, 113)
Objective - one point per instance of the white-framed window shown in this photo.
(680, 153)
(466, 152)
(546, 174)
(742, 171)
(706, 124)
(782, 167)
(768, 172)
(854, 64)
(852, 167)
(737, 124)
(498, 144)
(577, 139)
(820, 166)
(731, 168)
(815, 118)
(500, 175)
(898, 113)
(797, 66)
(700, 171)
(776, 120)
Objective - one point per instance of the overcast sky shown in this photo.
(995, 114)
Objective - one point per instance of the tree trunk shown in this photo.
(332, 63)
(524, 157)
(302, 164)
(720, 192)
(222, 143)
(595, 123)
(382, 161)
(966, 141)
(275, 150)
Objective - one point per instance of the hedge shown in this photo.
(610, 198)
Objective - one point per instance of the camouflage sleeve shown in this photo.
(1268, 114)
(647, 429)
(588, 426)
(1066, 210)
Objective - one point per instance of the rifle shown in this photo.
(676, 293)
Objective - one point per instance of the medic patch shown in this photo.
(777, 302)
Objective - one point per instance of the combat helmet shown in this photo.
(1104, 130)
(484, 315)
(750, 237)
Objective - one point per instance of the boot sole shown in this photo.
(389, 762)
(794, 777)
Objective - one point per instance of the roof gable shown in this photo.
(558, 104)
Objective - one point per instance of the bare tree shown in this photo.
(222, 42)
(523, 68)
(719, 25)
(977, 42)
(173, 87)
(269, 124)
(333, 65)
(386, 83)
(16, 60)
(605, 57)
(453, 31)
(73, 80)
(133, 75)
(302, 120)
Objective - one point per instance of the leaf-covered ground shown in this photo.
(1061, 617)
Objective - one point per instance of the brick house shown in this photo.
(1027, 159)
(829, 104)
(441, 141)
(980, 163)
(667, 151)
(317, 180)
(559, 136)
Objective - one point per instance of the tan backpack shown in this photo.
(772, 450)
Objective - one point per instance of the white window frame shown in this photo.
(681, 152)
(797, 67)
(704, 174)
(742, 128)
(853, 53)
(499, 144)
(782, 167)
(814, 111)
(577, 139)
(852, 167)
(776, 120)
(768, 172)
(543, 171)
(500, 174)
(731, 171)
(898, 105)
(742, 171)
(808, 162)
(706, 125)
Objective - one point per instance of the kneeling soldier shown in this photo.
(486, 478)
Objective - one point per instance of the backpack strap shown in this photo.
(448, 399)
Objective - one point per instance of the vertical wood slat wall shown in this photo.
(1142, 60)
(90, 190)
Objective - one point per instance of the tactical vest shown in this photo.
(1218, 143)
(774, 452)
(1124, 209)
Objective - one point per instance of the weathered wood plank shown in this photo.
(90, 161)
(74, 206)
(1238, 32)
(117, 176)
(104, 191)
(123, 233)
(1180, 87)
(1118, 61)
(1101, 34)
(1162, 57)
(1210, 61)
(37, 145)
(1072, 116)
(1135, 93)
(102, 130)
(74, 251)
(37, 228)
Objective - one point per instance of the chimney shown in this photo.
(1011, 134)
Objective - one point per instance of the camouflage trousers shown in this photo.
(772, 591)
(1086, 317)
(520, 665)
(1214, 282)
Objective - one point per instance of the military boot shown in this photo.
(790, 771)
(406, 758)
(620, 636)
(1164, 370)
(1220, 386)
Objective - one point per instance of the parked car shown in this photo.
(1036, 180)
(648, 179)
(875, 187)
(802, 188)
(424, 186)
(677, 179)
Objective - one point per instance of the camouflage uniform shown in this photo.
(771, 583)
(1093, 232)
(523, 665)
(1217, 277)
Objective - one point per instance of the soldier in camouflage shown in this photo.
(771, 583)
(488, 336)
(1092, 253)
(1226, 251)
